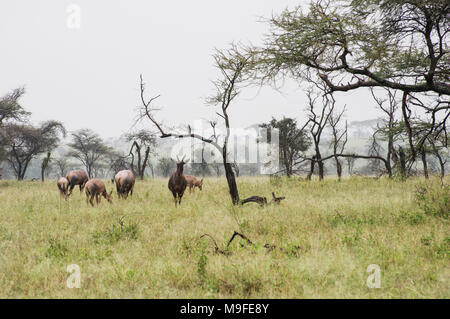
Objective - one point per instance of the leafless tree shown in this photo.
(231, 64)
(317, 121)
(143, 143)
(339, 139)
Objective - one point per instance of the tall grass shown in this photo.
(326, 234)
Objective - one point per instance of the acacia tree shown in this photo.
(293, 141)
(165, 166)
(24, 142)
(401, 45)
(143, 143)
(116, 162)
(11, 110)
(88, 147)
(231, 63)
(61, 164)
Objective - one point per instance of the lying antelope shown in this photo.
(76, 177)
(96, 187)
(192, 182)
(124, 183)
(177, 182)
(63, 185)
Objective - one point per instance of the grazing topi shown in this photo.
(76, 177)
(96, 187)
(193, 182)
(124, 183)
(63, 186)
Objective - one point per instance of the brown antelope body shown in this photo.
(193, 182)
(124, 183)
(96, 188)
(177, 182)
(63, 185)
(76, 177)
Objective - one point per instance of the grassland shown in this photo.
(144, 247)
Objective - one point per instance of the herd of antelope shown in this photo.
(124, 181)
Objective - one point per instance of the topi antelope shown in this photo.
(177, 182)
(77, 177)
(192, 182)
(96, 187)
(63, 185)
(124, 183)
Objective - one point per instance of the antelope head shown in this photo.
(180, 165)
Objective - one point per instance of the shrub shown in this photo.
(113, 234)
(57, 249)
(434, 201)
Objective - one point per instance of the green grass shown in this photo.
(326, 235)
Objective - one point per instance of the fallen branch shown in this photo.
(226, 252)
(262, 201)
(255, 199)
(216, 247)
(240, 235)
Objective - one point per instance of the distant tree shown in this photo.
(339, 138)
(23, 142)
(143, 143)
(61, 164)
(165, 166)
(293, 141)
(350, 164)
(116, 162)
(88, 147)
(10, 109)
(200, 167)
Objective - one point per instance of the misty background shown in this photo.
(88, 77)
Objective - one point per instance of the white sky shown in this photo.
(89, 77)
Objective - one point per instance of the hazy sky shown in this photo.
(89, 76)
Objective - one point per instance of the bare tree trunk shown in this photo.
(425, 165)
(44, 165)
(231, 179)
(338, 168)
(402, 156)
(311, 170)
(144, 164)
(321, 170)
(439, 157)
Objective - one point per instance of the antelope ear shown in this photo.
(110, 193)
(201, 181)
(186, 161)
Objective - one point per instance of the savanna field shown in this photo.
(325, 235)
